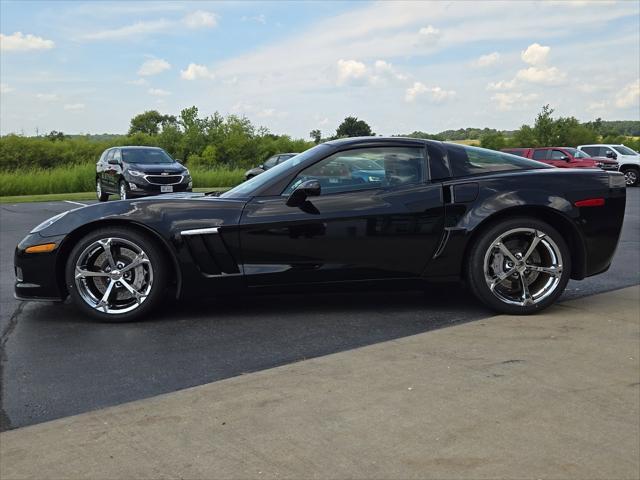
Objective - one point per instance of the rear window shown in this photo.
(540, 154)
(467, 160)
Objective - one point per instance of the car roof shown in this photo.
(341, 142)
(138, 147)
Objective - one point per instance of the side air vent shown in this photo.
(209, 251)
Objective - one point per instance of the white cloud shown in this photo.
(74, 107)
(195, 71)
(20, 42)
(153, 66)
(435, 94)
(597, 106)
(158, 92)
(535, 54)
(428, 35)
(5, 88)
(200, 19)
(542, 75)
(385, 71)
(350, 71)
(135, 29)
(501, 85)
(47, 97)
(487, 60)
(507, 101)
(628, 96)
(256, 18)
(138, 82)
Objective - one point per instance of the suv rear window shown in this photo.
(467, 160)
(540, 154)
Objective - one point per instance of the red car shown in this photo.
(563, 157)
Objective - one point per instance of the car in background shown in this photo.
(271, 162)
(563, 157)
(628, 159)
(139, 171)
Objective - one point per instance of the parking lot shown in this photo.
(56, 363)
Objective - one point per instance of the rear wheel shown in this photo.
(519, 266)
(116, 274)
(102, 196)
(631, 176)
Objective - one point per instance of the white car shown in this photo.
(628, 160)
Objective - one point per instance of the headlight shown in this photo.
(186, 173)
(136, 173)
(48, 223)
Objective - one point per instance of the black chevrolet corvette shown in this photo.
(353, 210)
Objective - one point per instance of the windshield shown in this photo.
(577, 153)
(145, 155)
(622, 150)
(247, 188)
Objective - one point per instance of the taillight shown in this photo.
(590, 202)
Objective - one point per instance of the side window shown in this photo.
(364, 168)
(117, 155)
(271, 162)
(591, 151)
(109, 155)
(466, 160)
(540, 154)
(557, 155)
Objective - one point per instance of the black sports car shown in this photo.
(513, 229)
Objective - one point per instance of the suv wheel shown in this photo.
(103, 197)
(519, 266)
(124, 191)
(631, 175)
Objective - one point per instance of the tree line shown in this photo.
(232, 142)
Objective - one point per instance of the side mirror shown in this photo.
(565, 158)
(310, 188)
(610, 154)
(114, 161)
(178, 160)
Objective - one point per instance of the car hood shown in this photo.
(157, 168)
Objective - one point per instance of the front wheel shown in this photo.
(519, 266)
(631, 176)
(102, 196)
(124, 191)
(116, 274)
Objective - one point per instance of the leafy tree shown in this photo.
(524, 137)
(544, 127)
(149, 122)
(494, 141)
(352, 127)
(316, 136)
(54, 135)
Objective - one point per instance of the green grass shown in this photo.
(78, 196)
(81, 178)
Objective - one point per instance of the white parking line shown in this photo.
(76, 203)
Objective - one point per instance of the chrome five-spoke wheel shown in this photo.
(523, 266)
(518, 265)
(113, 275)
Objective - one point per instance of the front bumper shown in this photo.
(140, 186)
(36, 274)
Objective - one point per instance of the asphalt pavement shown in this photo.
(55, 363)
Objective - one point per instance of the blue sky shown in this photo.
(88, 67)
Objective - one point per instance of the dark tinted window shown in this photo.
(540, 154)
(271, 161)
(437, 162)
(145, 155)
(466, 160)
(342, 171)
(592, 151)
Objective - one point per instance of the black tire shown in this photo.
(123, 190)
(157, 261)
(481, 251)
(100, 194)
(631, 176)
